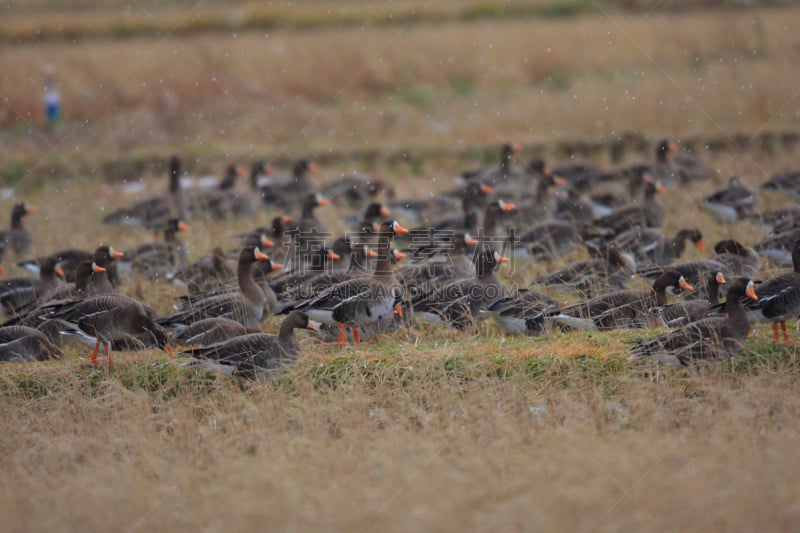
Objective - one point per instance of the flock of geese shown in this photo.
(438, 266)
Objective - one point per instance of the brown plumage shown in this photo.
(22, 344)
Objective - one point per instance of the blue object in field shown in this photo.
(52, 102)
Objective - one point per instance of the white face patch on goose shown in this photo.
(256, 253)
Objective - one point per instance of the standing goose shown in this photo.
(308, 220)
(683, 312)
(18, 237)
(707, 340)
(361, 300)
(256, 355)
(460, 303)
(110, 317)
(245, 305)
(22, 344)
(779, 298)
(621, 309)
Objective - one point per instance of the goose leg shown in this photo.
(786, 338)
(108, 353)
(356, 335)
(93, 355)
(775, 332)
(342, 339)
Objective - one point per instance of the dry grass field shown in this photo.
(424, 429)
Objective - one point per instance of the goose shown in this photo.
(496, 173)
(695, 272)
(152, 213)
(779, 298)
(549, 239)
(361, 300)
(683, 312)
(17, 294)
(778, 248)
(110, 317)
(460, 302)
(785, 182)
(355, 189)
(740, 260)
(439, 259)
(620, 309)
(18, 237)
(474, 198)
(732, 203)
(210, 331)
(513, 314)
(24, 344)
(255, 355)
(245, 304)
(780, 219)
(608, 269)
(648, 246)
(648, 213)
(157, 259)
(283, 191)
(68, 260)
(674, 164)
(209, 272)
(308, 221)
(707, 340)
(244, 203)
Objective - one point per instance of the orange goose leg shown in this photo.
(342, 339)
(786, 338)
(356, 335)
(93, 355)
(775, 332)
(108, 353)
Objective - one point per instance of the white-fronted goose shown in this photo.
(460, 303)
(24, 344)
(157, 260)
(647, 213)
(778, 298)
(780, 219)
(608, 270)
(707, 340)
(734, 202)
(495, 173)
(153, 212)
(19, 293)
(308, 221)
(210, 331)
(695, 272)
(67, 259)
(110, 317)
(549, 239)
(438, 261)
(740, 260)
(18, 237)
(361, 300)
(648, 246)
(682, 312)
(245, 305)
(209, 272)
(778, 248)
(620, 309)
(256, 355)
(512, 314)
(785, 182)
(355, 189)
(283, 191)
(674, 164)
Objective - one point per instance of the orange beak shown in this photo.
(685, 284)
(323, 201)
(269, 169)
(277, 266)
(673, 147)
(2, 271)
(721, 279)
(472, 241)
(241, 171)
(398, 309)
(369, 252)
(333, 256)
(260, 256)
(266, 243)
(399, 255)
(517, 147)
(660, 188)
(311, 326)
(751, 291)
(486, 189)
(170, 351)
(700, 245)
(59, 271)
(31, 209)
(559, 180)
(287, 219)
(313, 167)
(507, 206)
(502, 259)
(97, 268)
(400, 229)
(183, 226)
(385, 212)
